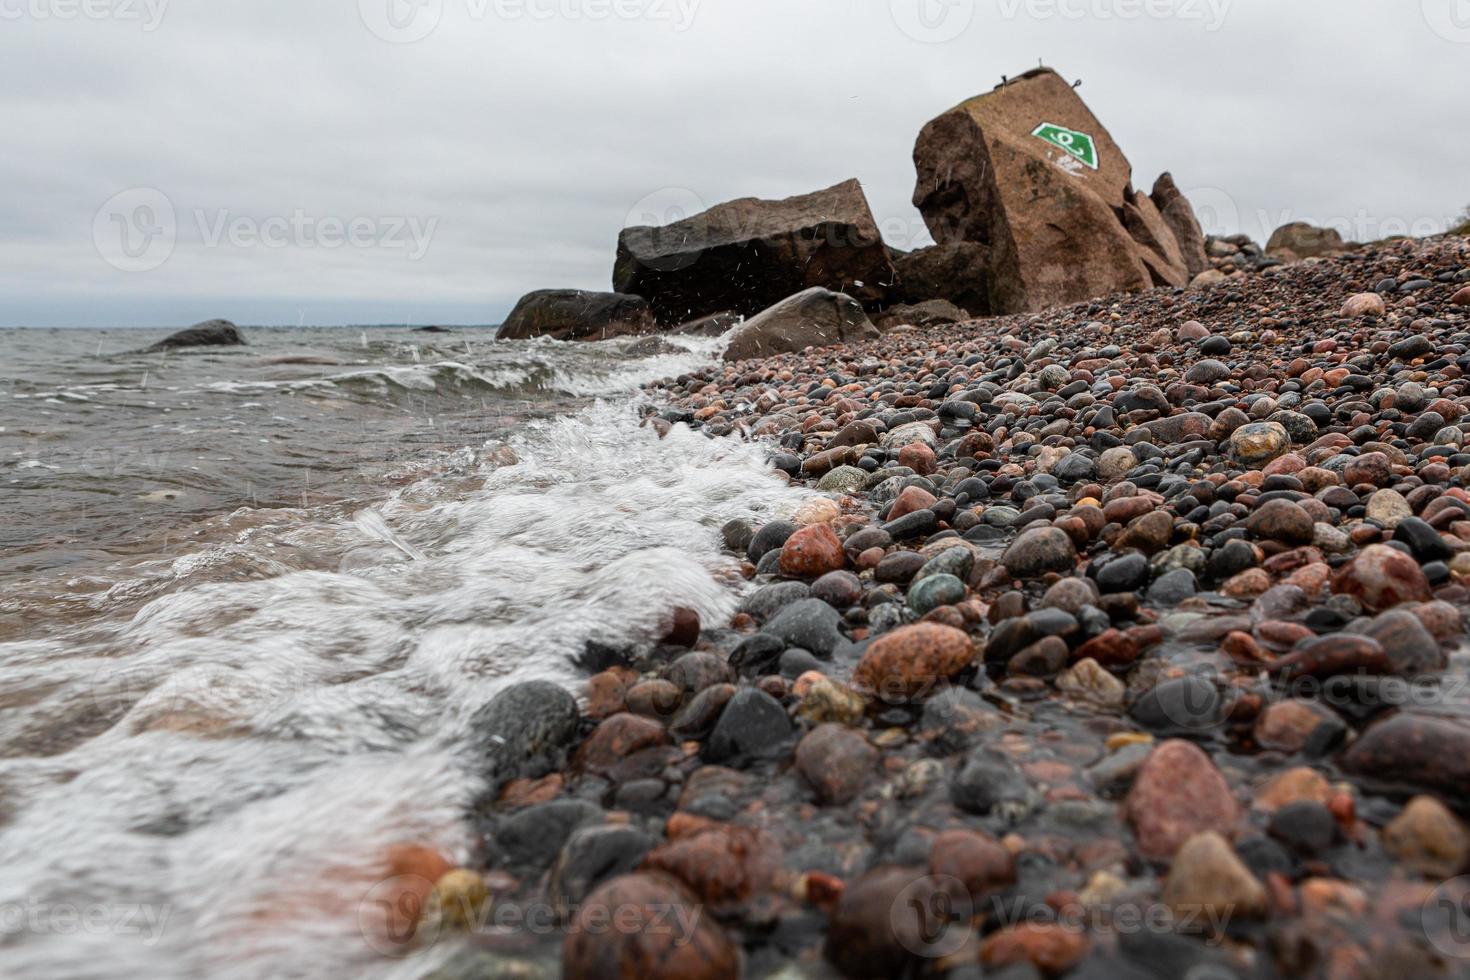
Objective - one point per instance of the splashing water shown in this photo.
(207, 753)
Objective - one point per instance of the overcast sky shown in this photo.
(337, 161)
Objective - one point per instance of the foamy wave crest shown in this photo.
(246, 746)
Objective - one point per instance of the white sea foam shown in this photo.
(233, 737)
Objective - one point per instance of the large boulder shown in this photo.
(1180, 217)
(1305, 241)
(210, 333)
(957, 272)
(744, 255)
(1030, 172)
(572, 314)
(814, 318)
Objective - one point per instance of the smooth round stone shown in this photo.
(1000, 516)
(1126, 573)
(796, 661)
(900, 566)
(1074, 468)
(1306, 827)
(987, 780)
(914, 525)
(1038, 551)
(1281, 520)
(956, 561)
(770, 538)
(1423, 540)
(1299, 427)
(1180, 705)
(808, 623)
(843, 479)
(1053, 376)
(1172, 588)
(753, 725)
(1257, 443)
(525, 727)
(930, 593)
(839, 589)
(906, 435)
(1207, 372)
(768, 600)
(1387, 508)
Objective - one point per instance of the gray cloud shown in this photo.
(525, 132)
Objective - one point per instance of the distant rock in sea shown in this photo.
(210, 333)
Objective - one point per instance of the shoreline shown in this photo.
(1066, 647)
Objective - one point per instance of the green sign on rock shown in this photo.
(1079, 145)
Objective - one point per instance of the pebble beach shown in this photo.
(1112, 639)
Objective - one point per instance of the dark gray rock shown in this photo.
(1181, 705)
(768, 600)
(987, 780)
(575, 314)
(591, 856)
(753, 726)
(744, 255)
(810, 624)
(532, 837)
(525, 729)
(210, 333)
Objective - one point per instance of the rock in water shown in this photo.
(913, 660)
(525, 728)
(1208, 876)
(815, 318)
(811, 552)
(210, 333)
(1178, 793)
(1418, 750)
(647, 926)
(745, 255)
(835, 760)
(1029, 171)
(573, 314)
(882, 926)
(1179, 216)
(1429, 838)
